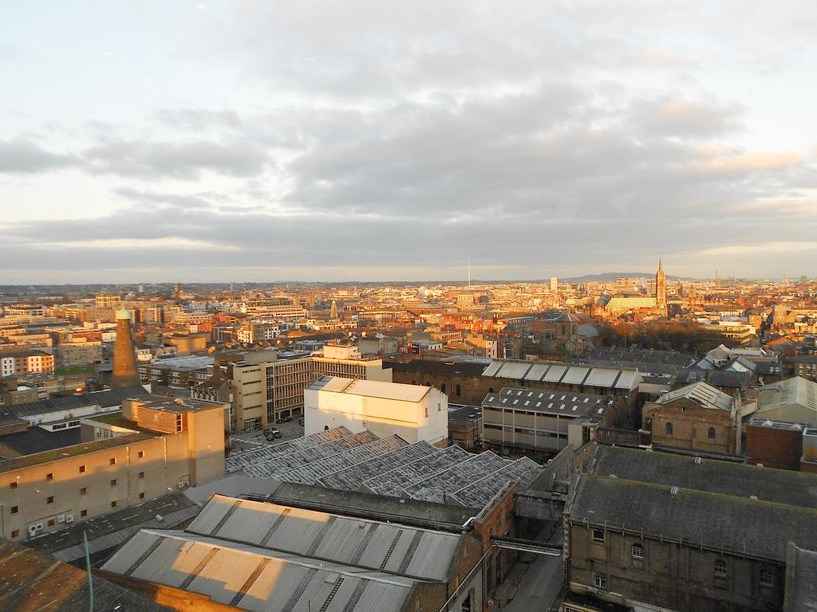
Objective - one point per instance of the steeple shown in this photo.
(661, 288)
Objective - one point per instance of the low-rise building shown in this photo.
(153, 446)
(696, 417)
(415, 413)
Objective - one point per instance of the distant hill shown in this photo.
(609, 277)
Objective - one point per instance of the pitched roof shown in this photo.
(702, 394)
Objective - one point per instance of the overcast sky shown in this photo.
(343, 140)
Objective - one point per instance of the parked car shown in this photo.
(270, 433)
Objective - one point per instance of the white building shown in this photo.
(413, 412)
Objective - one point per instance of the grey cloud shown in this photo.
(20, 155)
(679, 117)
(174, 159)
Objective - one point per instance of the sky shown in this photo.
(221, 141)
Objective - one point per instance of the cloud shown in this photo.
(20, 155)
(185, 160)
(685, 118)
(725, 162)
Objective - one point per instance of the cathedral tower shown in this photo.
(661, 288)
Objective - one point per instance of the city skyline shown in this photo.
(238, 142)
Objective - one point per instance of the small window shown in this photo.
(766, 577)
(638, 551)
(49, 499)
(113, 460)
(51, 522)
(140, 454)
(711, 433)
(113, 504)
(668, 429)
(15, 533)
(141, 474)
(600, 580)
(142, 495)
(15, 509)
(83, 513)
(83, 491)
(113, 482)
(13, 485)
(720, 568)
(598, 535)
(49, 476)
(82, 469)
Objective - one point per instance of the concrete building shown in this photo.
(696, 417)
(531, 420)
(268, 386)
(25, 361)
(413, 412)
(154, 446)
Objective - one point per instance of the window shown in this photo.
(766, 577)
(113, 482)
(598, 535)
(711, 433)
(13, 485)
(720, 568)
(82, 469)
(83, 513)
(113, 460)
(140, 454)
(49, 499)
(83, 491)
(142, 495)
(49, 476)
(669, 429)
(15, 509)
(15, 533)
(113, 504)
(51, 522)
(141, 474)
(442, 387)
(638, 551)
(457, 390)
(600, 580)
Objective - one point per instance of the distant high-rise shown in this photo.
(124, 358)
(333, 311)
(660, 288)
(554, 284)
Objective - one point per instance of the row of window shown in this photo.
(765, 576)
(82, 470)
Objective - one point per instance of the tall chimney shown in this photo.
(124, 357)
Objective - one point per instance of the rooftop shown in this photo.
(702, 394)
(371, 388)
(565, 403)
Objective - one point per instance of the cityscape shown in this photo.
(426, 307)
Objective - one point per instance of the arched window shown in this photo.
(457, 391)
(442, 387)
(711, 433)
(428, 384)
(669, 429)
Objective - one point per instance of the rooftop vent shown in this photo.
(673, 491)
(698, 460)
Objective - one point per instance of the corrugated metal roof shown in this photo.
(602, 377)
(575, 375)
(555, 373)
(492, 369)
(628, 380)
(307, 533)
(701, 393)
(254, 578)
(537, 371)
(513, 369)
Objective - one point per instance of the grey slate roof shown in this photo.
(565, 403)
(732, 524)
(720, 477)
